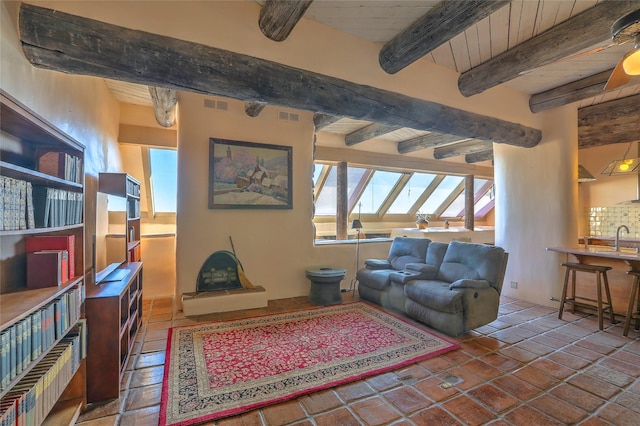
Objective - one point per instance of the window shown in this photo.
(441, 193)
(327, 201)
(410, 193)
(377, 190)
(396, 196)
(164, 179)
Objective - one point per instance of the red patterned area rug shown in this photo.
(220, 369)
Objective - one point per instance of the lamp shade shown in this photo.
(620, 167)
(356, 224)
(584, 175)
(631, 62)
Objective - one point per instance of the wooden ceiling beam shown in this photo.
(278, 18)
(462, 148)
(580, 32)
(430, 140)
(616, 121)
(77, 45)
(443, 22)
(579, 90)
(611, 110)
(369, 132)
(320, 121)
(253, 109)
(164, 105)
(479, 156)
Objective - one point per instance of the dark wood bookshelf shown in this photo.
(114, 317)
(28, 135)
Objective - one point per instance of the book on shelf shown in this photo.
(26, 342)
(5, 369)
(47, 268)
(13, 359)
(54, 242)
(61, 165)
(31, 221)
(36, 334)
(56, 207)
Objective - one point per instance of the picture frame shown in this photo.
(249, 175)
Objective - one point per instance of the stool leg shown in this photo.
(599, 288)
(608, 293)
(632, 302)
(638, 308)
(573, 291)
(564, 293)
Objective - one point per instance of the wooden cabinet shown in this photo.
(42, 333)
(114, 316)
(123, 185)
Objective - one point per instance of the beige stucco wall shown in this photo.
(82, 107)
(536, 204)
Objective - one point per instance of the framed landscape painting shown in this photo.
(248, 175)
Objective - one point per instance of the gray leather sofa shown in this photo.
(454, 288)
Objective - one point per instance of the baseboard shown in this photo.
(223, 301)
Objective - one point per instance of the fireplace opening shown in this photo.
(219, 272)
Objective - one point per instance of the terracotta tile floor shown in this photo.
(526, 368)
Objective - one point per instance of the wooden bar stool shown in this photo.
(601, 277)
(634, 299)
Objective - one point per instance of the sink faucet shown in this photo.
(617, 243)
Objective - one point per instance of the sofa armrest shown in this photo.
(465, 283)
(429, 271)
(377, 264)
(414, 271)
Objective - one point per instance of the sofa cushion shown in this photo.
(436, 252)
(374, 278)
(471, 261)
(434, 295)
(407, 250)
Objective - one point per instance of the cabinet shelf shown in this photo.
(20, 304)
(38, 178)
(48, 230)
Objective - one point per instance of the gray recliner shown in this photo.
(373, 279)
(465, 292)
(453, 288)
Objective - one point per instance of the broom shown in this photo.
(241, 275)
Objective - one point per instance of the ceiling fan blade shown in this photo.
(618, 77)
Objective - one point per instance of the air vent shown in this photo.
(288, 116)
(212, 103)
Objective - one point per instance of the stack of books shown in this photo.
(24, 206)
(16, 204)
(23, 342)
(62, 165)
(50, 265)
(30, 400)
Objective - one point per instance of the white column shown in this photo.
(536, 206)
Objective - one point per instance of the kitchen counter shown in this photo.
(626, 254)
(619, 282)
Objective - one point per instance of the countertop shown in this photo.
(625, 253)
